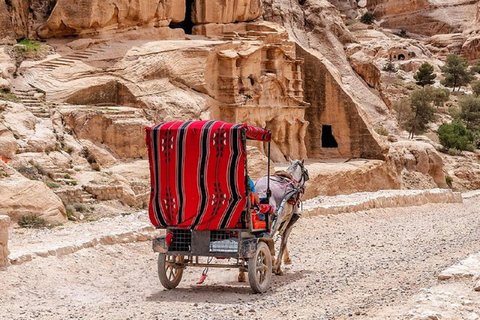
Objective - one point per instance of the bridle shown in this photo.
(304, 177)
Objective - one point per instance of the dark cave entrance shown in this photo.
(187, 23)
(328, 140)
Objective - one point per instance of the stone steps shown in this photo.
(69, 59)
(36, 106)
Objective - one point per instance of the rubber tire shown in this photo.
(169, 275)
(260, 269)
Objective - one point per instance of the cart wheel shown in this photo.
(260, 269)
(169, 273)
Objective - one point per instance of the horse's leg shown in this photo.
(286, 256)
(283, 244)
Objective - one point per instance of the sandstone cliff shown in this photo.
(311, 73)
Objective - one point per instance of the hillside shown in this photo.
(81, 79)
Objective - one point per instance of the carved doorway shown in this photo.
(187, 23)
(328, 140)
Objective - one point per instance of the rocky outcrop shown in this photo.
(8, 143)
(88, 16)
(124, 136)
(7, 68)
(365, 67)
(335, 178)
(418, 164)
(23, 197)
(210, 11)
(52, 18)
(338, 127)
(4, 252)
(342, 109)
(426, 17)
(382, 199)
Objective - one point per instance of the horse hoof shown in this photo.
(241, 278)
(279, 273)
(288, 261)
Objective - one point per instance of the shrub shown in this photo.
(476, 87)
(389, 67)
(470, 106)
(449, 181)
(381, 130)
(53, 185)
(30, 45)
(8, 96)
(455, 135)
(367, 18)
(32, 221)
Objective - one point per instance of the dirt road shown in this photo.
(365, 265)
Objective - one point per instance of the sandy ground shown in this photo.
(378, 264)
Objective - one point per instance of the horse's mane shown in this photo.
(283, 173)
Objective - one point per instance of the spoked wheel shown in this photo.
(260, 269)
(170, 270)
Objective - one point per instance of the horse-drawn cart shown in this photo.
(200, 194)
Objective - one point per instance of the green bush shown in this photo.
(32, 221)
(455, 135)
(367, 18)
(389, 67)
(30, 45)
(449, 181)
(53, 185)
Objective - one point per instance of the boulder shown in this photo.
(21, 197)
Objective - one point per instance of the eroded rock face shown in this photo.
(211, 11)
(123, 136)
(7, 68)
(426, 17)
(69, 18)
(21, 197)
(419, 165)
(57, 18)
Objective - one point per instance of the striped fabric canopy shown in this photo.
(198, 173)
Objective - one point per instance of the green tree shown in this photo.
(439, 96)
(470, 106)
(455, 135)
(475, 68)
(456, 72)
(425, 75)
(476, 88)
(422, 111)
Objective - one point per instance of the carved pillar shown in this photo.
(227, 78)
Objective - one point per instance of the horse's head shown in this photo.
(298, 171)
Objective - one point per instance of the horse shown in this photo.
(286, 187)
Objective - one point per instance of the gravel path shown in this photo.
(378, 264)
